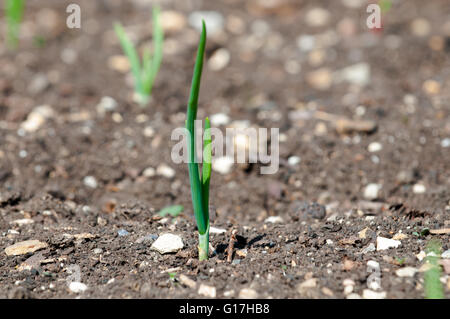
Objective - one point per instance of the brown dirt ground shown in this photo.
(45, 184)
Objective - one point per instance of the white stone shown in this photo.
(90, 181)
(219, 119)
(369, 248)
(23, 221)
(248, 293)
(172, 21)
(374, 265)
(168, 243)
(37, 118)
(222, 164)
(348, 289)
(219, 59)
(149, 172)
(446, 254)
(421, 255)
(353, 3)
(375, 147)
(294, 160)
(386, 243)
(353, 296)
(274, 219)
(165, 171)
(370, 294)
(24, 247)
(348, 282)
(355, 74)
(445, 142)
(207, 291)
(214, 21)
(148, 131)
(419, 189)
(306, 43)
(214, 230)
(77, 287)
(317, 17)
(406, 272)
(107, 104)
(372, 191)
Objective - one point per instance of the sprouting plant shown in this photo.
(433, 286)
(199, 183)
(145, 71)
(14, 13)
(173, 211)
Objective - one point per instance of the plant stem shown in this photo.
(203, 245)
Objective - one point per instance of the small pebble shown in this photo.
(172, 21)
(107, 104)
(369, 248)
(37, 118)
(445, 142)
(431, 87)
(207, 291)
(214, 230)
(219, 59)
(149, 172)
(370, 294)
(419, 189)
(90, 181)
(122, 232)
(214, 21)
(420, 27)
(374, 147)
(77, 287)
(24, 247)
(406, 272)
(294, 160)
(320, 79)
(446, 254)
(168, 243)
(165, 171)
(358, 74)
(317, 17)
(273, 219)
(119, 63)
(386, 243)
(222, 165)
(372, 191)
(219, 119)
(248, 293)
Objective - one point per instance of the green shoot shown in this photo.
(145, 71)
(199, 184)
(433, 286)
(14, 13)
(173, 211)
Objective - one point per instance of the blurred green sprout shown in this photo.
(14, 12)
(144, 71)
(433, 285)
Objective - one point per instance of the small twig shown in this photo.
(231, 245)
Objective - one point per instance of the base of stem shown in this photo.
(203, 245)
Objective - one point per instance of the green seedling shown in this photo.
(432, 281)
(172, 276)
(145, 71)
(173, 211)
(199, 184)
(14, 13)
